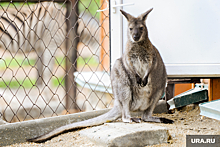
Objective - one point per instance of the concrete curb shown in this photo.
(18, 132)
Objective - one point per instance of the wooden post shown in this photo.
(170, 91)
(104, 38)
(214, 89)
(72, 40)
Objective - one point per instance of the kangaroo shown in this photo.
(138, 81)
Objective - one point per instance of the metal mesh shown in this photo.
(54, 58)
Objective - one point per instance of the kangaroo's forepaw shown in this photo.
(139, 80)
(144, 82)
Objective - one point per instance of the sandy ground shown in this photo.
(187, 121)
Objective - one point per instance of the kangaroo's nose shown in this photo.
(136, 37)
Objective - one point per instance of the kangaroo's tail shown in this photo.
(112, 115)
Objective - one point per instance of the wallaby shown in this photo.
(138, 81)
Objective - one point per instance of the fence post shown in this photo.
(214, 86)
(104, 39)
(72, 40)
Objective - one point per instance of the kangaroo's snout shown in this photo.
(136, 34)
(136, 37)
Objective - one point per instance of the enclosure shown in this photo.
(56, 57)
(45, 48)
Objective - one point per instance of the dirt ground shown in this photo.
(187, 121)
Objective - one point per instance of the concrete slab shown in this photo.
(126, 134)
(18, 132)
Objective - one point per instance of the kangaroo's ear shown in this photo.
(127, 15)
(144, 15)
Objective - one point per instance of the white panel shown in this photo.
(116, 32)
(193, 70)
(186, 33)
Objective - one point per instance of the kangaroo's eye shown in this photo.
(131, 29)
(141, 28)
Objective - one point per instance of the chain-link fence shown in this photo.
(54, 58)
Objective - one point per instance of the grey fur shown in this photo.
(138, 80)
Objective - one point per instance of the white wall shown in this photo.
(186, 32)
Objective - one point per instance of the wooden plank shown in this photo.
(214, 89)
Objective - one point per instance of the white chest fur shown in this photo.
(140, 67)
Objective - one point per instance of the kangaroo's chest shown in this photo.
(140, 66)
(140, 61)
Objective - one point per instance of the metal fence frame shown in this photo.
(71, 45)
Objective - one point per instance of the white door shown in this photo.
(186, 33)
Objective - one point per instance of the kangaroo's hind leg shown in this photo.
(147, 114)
(124, 97)
(121, 87)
